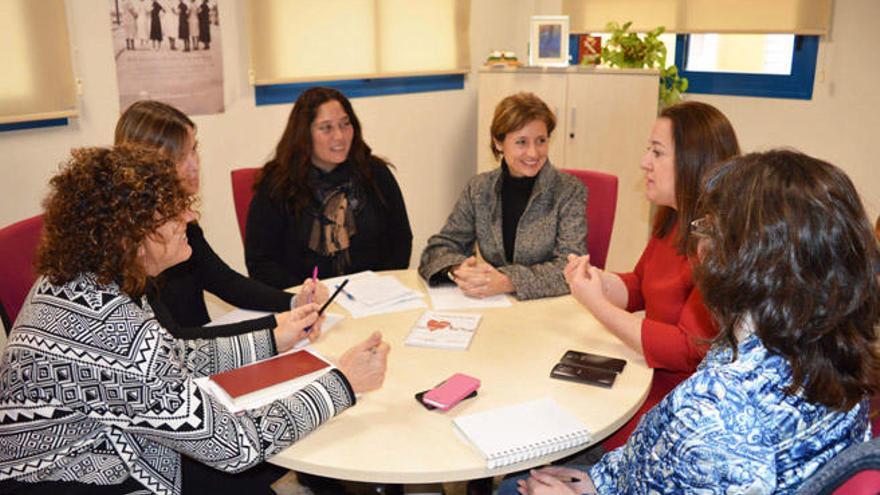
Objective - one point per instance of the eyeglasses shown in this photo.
(702, 227)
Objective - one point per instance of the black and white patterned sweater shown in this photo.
(94, 390)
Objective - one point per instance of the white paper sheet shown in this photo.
(451, 297)
(372, 294)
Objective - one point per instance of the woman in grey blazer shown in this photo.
(525, 216)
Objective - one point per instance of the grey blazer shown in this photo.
(552, 226)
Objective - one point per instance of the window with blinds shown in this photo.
(302, 41)
(741, 53)
(38, 85)
(734, 47)
(805, 17)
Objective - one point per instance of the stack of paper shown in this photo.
(369, 293)
(451, 297)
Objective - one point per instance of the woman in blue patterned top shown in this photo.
(787, 267)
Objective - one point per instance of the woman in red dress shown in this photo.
(675, 329)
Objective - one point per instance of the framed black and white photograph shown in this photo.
(548, 40)
(168, 50)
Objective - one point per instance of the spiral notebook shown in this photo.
(523, 431)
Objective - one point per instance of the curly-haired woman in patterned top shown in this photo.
(788, 268)
(95, 395)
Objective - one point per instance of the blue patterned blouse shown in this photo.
(730, 428)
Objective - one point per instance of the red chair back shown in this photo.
(862, 483)
(242, 193)
(601, 207)
(18, 247)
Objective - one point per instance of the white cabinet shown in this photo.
(604, 118)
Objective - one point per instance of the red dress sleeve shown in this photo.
(677, 326)
(680, 346)
(633, 280)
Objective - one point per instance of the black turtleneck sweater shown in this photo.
(515, 194)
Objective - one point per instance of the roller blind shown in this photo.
(703, 16)
(38, 82)
(306, 40)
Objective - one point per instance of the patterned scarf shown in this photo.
(333, 226)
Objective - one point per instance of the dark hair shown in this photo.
(101, 205)
(287, 172)
(156, 125)
(513, 113)
(793, 251)
(703, 137)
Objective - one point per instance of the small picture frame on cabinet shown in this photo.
(548, 41)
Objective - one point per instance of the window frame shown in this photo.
(797, 85)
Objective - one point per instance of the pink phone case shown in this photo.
(452, 391)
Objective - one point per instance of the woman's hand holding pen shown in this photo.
(480, 279)
(364, 364)
(312, 291)
(557, 480)
(293, 326)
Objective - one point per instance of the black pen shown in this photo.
(332, 297)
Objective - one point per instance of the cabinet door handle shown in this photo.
(572, 122)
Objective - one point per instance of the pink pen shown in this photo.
(314, 282)
(314, 288)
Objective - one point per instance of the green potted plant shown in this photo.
(629, 50)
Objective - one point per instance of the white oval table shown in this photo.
(390, 438)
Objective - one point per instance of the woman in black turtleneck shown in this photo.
(526, 216)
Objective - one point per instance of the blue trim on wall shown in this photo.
(798, 85)
(272, 94)
(33, 124)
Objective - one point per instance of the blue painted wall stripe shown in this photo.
(273, 94)
(33, 124)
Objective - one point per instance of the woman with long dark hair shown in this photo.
(686, 141)
(787, 267)
(325, 200)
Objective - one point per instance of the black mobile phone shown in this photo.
(587, 360)
(590, 376)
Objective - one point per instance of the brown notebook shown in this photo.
(263, 374)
